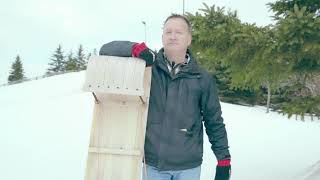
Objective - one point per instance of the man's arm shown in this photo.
(128, 49)
(215, 128)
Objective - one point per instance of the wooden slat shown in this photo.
(116, 75)
(115, 151)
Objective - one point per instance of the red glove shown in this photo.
(223, 170)
(140, 50)
(225, 162)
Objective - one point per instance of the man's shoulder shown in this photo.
(204, 73)
(207, 79)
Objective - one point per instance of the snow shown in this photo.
(45, 129)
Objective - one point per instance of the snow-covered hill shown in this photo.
(45, 128)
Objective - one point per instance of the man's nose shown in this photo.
(173, 36)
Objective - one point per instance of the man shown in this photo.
(182, 96)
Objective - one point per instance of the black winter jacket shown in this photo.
(179, 104)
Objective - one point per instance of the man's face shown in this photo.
(175, 35)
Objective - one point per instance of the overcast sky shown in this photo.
(34, 28)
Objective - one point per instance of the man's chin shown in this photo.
(173, 48)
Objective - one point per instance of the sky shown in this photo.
(49, 136)
(33, 29)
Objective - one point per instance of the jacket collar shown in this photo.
(190, 68)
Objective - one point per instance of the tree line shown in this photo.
(270, 65)
(58, 63)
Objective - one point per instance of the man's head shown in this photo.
(176, 35)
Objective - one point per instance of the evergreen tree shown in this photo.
(94, 53)
(254, 61)
(88, 56)
(298, 42)
(212, 32)
(282, 8)
(298, 46)
(57, 63)
(223, 79)
(229, 94)
(71, 64)
(80, 58)
(17, 72)
(221, 41)
(263, 71)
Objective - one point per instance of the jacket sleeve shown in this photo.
(117, 48)
(213, 121)
(128, 49)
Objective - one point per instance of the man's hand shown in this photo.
(223, 170)
(140, 50)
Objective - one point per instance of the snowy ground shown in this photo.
(45, 128)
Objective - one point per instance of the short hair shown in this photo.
(172, 16)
